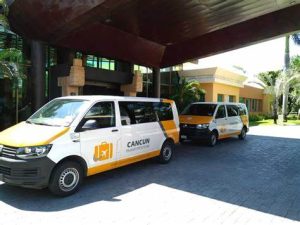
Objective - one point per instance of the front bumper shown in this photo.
(190, 132)
(31, 173)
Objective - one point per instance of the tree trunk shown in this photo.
(275, 107)
(286, 88)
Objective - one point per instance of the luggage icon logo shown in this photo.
(103, 151)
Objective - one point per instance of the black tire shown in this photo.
(66, 178)
(212, 139)
(166, 152)
(243, 133)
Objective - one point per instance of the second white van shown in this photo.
(211, 121)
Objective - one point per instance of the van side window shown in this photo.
(101, 115)
(126, 118)
(221, 112)
(242, 110)
(232, 110)
(163, 111)
(140, 112)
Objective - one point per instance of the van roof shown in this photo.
(110, 97)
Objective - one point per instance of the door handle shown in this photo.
(114, 130)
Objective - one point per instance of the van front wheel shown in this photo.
(243, 133)
(212, 139)
(166, 152)
(66, 179)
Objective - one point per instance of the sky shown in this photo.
(257, 58)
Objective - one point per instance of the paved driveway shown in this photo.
(255, 181)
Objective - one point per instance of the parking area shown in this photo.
(255, 181)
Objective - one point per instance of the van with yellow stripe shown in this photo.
(73, 137)
(211, 121)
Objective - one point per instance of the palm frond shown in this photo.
(296, 38)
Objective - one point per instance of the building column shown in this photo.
(38, 74)
(156, 82)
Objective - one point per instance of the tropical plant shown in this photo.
(10, 58)
(272, 88)
(3, 14)
(187, 92)
(277, 82)
(296, 39)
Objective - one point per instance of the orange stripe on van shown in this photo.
(171, 130)
(122, 162)
(164, 100)
(191, 119)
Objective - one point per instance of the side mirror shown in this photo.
(89, 125)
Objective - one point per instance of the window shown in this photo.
(139, 112)
(126, 118)
(101, 115)
(97, 62)
(202, 98)
(163, 111)
(253, 105)
(59, 112)
(248, 102)
(200, 109)
(232, 110)
(231, 98)
(242, 100)
(220, 98)
(221, 112)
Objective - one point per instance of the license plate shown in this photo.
(183, 136)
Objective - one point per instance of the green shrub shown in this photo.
(258, 117)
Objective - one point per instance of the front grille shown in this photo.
(8, 152)
(25, 173)
(5, 170)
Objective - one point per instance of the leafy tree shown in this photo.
(277, 83)
(287, 61)
(3, 14)
(272, 87)
(10, 58)
(187, 92)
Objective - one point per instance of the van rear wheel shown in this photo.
(66, 179)
(166, 152)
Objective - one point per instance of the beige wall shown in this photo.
(251, 92)
(208, 91)
(267, 101)
(225, 90)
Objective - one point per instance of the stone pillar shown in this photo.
(38, 74)
(156, 82)
(135, 86)
(71, 84)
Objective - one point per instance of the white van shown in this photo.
(73, 137)
(211, 121)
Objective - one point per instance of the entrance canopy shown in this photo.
(154, 33)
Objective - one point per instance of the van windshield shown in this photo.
(59, 112)
(200, 110)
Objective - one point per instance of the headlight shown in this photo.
(202, 126)
(33, 152)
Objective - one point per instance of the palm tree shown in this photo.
(296, 39)
(272, 87)
(187, 92)
(277, 83)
